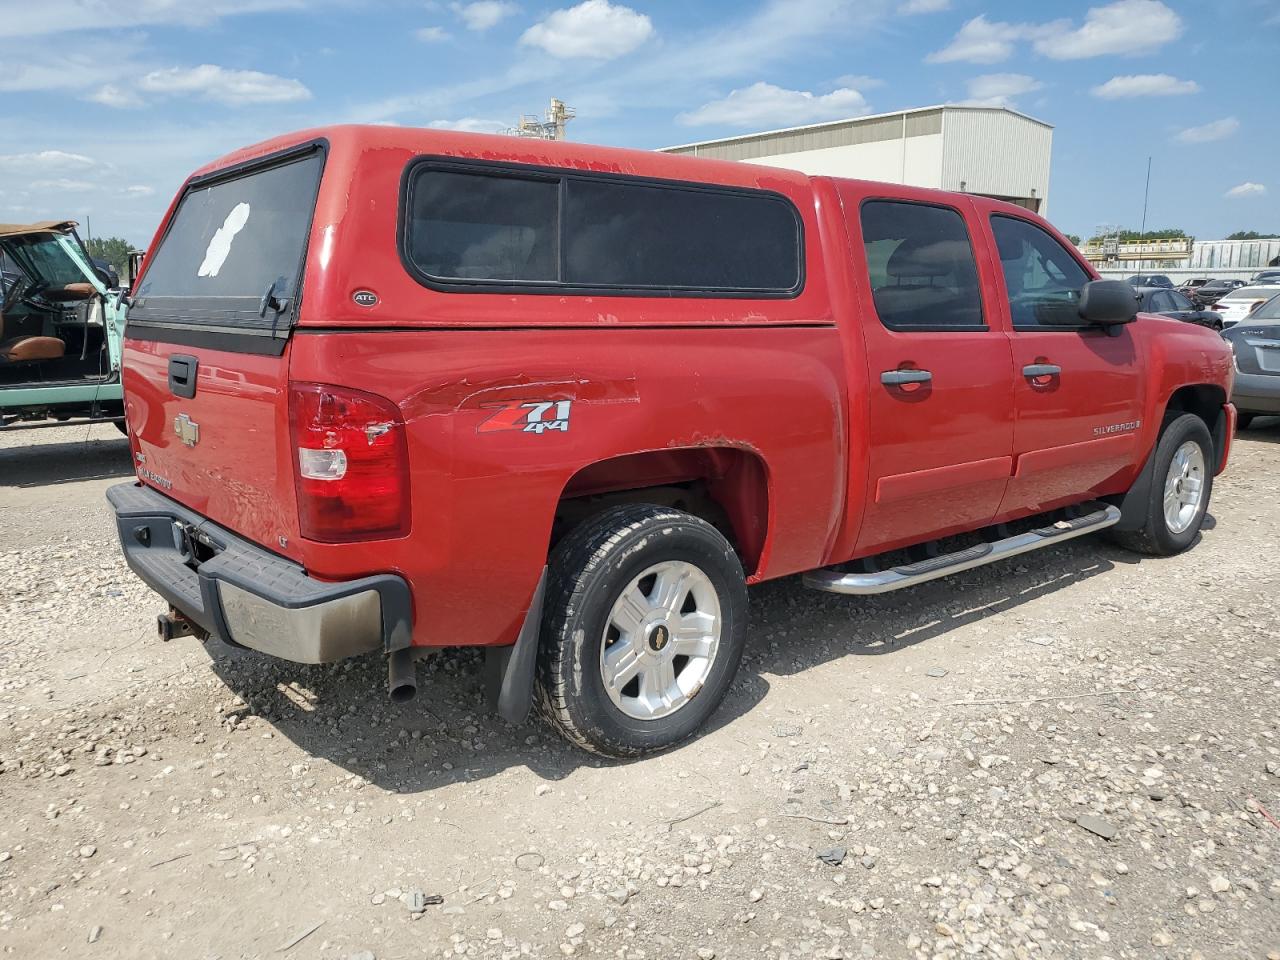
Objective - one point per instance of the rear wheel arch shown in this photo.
(725, 485)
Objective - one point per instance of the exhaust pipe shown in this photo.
(402, 677)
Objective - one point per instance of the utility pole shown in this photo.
(1146, 195)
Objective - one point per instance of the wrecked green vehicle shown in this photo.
(60, 331)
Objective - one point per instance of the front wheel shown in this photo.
(1243, 420)
(643, 629)
(1182, 481)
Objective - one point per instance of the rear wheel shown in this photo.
(1182, 482)
(644, 625)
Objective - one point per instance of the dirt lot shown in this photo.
(1068, 755)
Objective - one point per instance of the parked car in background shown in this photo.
(1172, 304)
(60, 331)
(1215, 290)
(1189, 287)
(1256, 345)
(1266, 276)
(394, 389)
(1150, 280)
(1239, 304)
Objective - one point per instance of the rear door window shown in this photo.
(232, 256)
(921, 266)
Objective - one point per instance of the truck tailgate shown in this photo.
(224, 452)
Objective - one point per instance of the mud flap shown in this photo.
(509, 670)
(1135, 503)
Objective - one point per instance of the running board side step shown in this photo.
(908, 575)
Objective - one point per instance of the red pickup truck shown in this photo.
(393, 390)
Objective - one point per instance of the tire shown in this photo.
(1243, 420)
(1159, 537)
(122, 427)
(637, 549)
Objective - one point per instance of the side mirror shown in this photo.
(1105, 303)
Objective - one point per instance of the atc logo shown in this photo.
(535, 416)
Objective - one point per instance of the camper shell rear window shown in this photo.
(231, 259)
(480, 227)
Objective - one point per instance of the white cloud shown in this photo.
(470, 125)
(484, 14)
(764, 105)
(110, 95)
(138, 190)
(65, 16)
(859, 82)
(999, 89)
(982, 41)
(1145, 85)
(1124, 27)
(1217, 130)
(924, 6)
(1246, 189)
(210, 82)
(594, 29)
(63, 185)
(431, 34)
(44, 160)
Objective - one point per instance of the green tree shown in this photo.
(1167, 234)
(113, 250)
(1074, 238)
(1252, 235)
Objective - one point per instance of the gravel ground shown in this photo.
(1072, 754)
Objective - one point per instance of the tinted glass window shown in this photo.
(466, 226)
(1180, 302)
(1042, 279)
(920, 263)
(1160, 302)
(633, 235)
(228, 244)
(1268, 311)
(570, 230)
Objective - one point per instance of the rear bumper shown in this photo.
(248, 596)
(1256, 393)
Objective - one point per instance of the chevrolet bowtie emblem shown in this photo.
(188, 430)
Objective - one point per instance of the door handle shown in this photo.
(1033, 370)
(182, 375)
(896, 378)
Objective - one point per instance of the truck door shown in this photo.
(939, 434)
(1078, 391)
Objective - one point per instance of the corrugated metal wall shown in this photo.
(996, 153)
(843, 134)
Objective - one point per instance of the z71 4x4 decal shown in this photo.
(534, 416)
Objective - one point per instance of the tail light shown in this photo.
(352, 472)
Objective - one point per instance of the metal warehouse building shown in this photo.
(992, 151)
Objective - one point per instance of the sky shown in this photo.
(107, 105)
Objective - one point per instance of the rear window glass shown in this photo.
(232, 255)
(921, 266)
(482, 228)
(474, 227)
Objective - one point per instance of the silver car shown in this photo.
(1256, 344)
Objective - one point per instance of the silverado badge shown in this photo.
(188, 430)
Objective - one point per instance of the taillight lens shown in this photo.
(352, 464)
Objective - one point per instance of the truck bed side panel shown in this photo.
(485, 490)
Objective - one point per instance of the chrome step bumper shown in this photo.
(909, 575)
